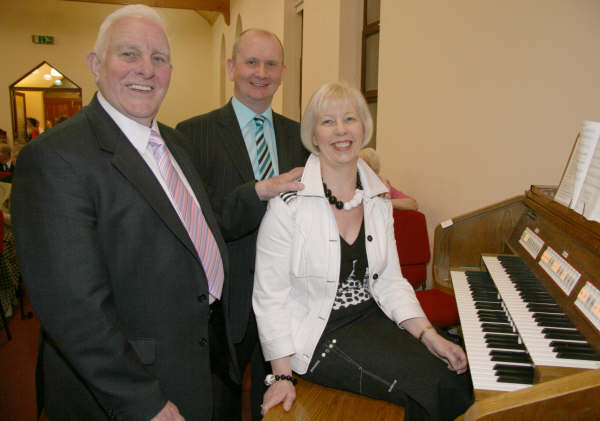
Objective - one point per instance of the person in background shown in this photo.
(330, 300)
(399, 199)
(247, 154)
(6, 164)
(120, 251)
(33, 128)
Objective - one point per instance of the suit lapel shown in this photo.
(230, 134)
(281, 138)
(133, 167)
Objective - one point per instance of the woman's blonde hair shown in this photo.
(334, 92)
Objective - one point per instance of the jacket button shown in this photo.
(202, 298)
(203, 342)
(369, 238)
(375, 276)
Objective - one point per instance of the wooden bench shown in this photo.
(319, 403)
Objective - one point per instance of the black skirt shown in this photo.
(368, 354)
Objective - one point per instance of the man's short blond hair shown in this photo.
(236, 43)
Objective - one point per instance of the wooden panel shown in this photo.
(318, 403)
(483, 231)
(569, 398)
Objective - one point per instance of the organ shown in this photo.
(526, 276)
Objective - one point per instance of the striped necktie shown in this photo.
(191, 216)
(265, 166)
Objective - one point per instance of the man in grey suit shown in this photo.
(120, 251)
(230, 156)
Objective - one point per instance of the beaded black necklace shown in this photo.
(354, 202)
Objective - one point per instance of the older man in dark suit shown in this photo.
(120, 250)
(246, 154)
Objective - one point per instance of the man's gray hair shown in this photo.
(130, 11)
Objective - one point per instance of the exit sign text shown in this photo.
(42, 39)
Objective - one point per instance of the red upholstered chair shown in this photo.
(410, 229)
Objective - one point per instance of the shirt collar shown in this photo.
(313, 183)
(245, 114)
(137, 133)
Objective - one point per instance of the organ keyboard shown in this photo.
(526, 277)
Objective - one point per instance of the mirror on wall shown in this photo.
(41, 99)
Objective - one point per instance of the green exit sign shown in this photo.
(42, 39)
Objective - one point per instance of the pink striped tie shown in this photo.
(191, 216)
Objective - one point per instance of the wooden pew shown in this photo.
(319, 403)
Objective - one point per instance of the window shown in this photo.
(370, 59)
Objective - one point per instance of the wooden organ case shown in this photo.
(560, 250)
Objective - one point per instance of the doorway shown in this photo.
(44, 94)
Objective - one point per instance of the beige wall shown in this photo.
(321, 45)
(74, 26)
(479, 99)
(265, 14)
(34, 106)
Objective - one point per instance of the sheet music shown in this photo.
(578, 168)
(588, 203)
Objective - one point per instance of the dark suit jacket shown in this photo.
(223, 162)
(112, 275)
(6, 174)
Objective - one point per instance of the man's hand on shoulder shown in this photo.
(267, 189)
(168, 413)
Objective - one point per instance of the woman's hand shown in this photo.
(447, 351)
(280, 391)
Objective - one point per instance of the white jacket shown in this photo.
(298, 266)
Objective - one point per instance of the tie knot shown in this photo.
(155, 138)
(259, 120)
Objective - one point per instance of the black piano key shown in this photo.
(564, 336)
(508, 337)
(573, 335)
(488, 306)
(528, 375)
(505, 345)
(570, 345)
(492, 327)
(512, 358)
(498, 319)
(515, 368)
(556, 317)
(509, 356)
(542, 308)
(578, 356)
(561, 350)
(519, 380)
(555, 324)
(491, 312)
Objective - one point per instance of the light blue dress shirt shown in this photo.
(245, 117)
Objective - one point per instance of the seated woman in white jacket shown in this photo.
(329, 297)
